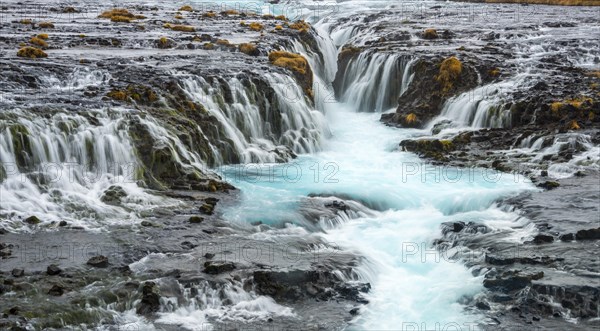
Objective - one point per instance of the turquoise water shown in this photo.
(411, 283)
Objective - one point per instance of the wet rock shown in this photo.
(99, 261)
(63, 223)
(209, 256)
(17, 272)
(549, 185)
(511, 281)
(218, 267)
(53, 270)
(5, 251)
(196, 219)
(32, 220)
(147, 224)
(482, 305)
(337, 205)
(188, 245)
(56, 290)
(207, 209)
(354, 311)
(113, 195)
(542, 239)
(150, 302)
(567, 237)
(591, 234)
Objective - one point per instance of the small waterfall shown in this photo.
(373, 82)
(257, 126)
(483, 107)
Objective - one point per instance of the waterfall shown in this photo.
(57, 168)
(483, 107)
(255, 125)
(374, 81)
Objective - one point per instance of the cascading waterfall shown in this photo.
(58, 168)
(374, 81)
(257, 133)
(358, 164)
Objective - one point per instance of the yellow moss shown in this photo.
(163, 42)
(82, 36)
(410, 118)
(450, 71)
(46, 25)
(594, 86)
(494, 72)
(230, 12)
(223, 42)
(255, 26)
(186, 8)
(21, 44)
(278, 27)
(249, 49)
(43, 36)
(268, 17)
(556, 106)
(139, 17)
(300, 26)
(243, 23)
(292, 61)
(117, 95)
(281, 18)
(197, 39)
(121, 19)
(209, 46)
(183, 28)
(116, 12)
(579, 101)
(594, 74)
(430, 34)
(447, 144)
(349, 50)
(209, 14)
(573, 125)
(39, 42)
(179, 17)
(31, 52)
(591, 116)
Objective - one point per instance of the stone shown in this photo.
(56, 290)
(17, 272)
(99, 261)
(32, 220)
(150, 302)
(53, 270)
(218, 267)
(196, 219)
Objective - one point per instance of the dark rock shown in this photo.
(567, 237)
(14, 311)
(544, 173)
(99, 261)
(17, 272)
(113, 195)
(543, 238)
(188, 245)
(63, 223)
(591, 234)
(150, 302)
(56, 290)
(32, 220)
(511, 281)
(549, 185)
(207, 209)
(53, 270)
(196, 219)
(209, 255)
(354, 311)
(217, 267)
(482, 305)
(147, 224)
